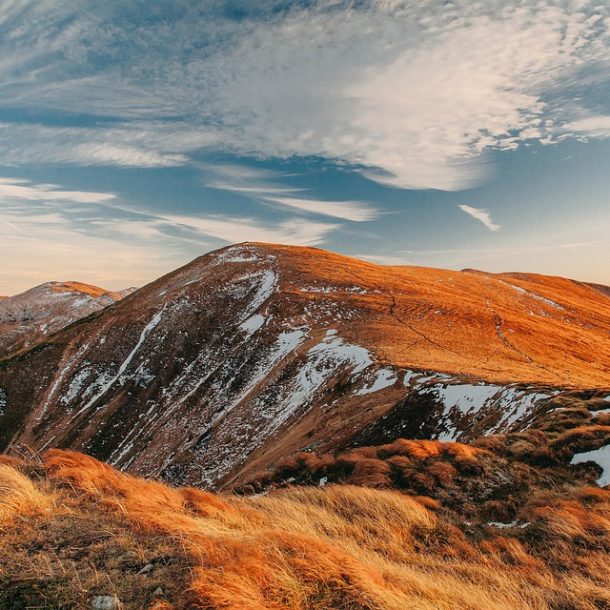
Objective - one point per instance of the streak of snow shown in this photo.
(64, 371)
(252, 324)
(287, 342)
(384, 378)
(601, 457)
(76, 385)
(145, 332)
(534, 295)
(266, 287)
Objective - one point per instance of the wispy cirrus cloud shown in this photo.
(412, 93)
(97, 238)
(481, 215)
(264, 186)
(355, 211)
(140, 144)
(16, 188)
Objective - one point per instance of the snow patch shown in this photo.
(463, 400)
(384, 378)
(521, 402)
(252, 324)
(145, 332)
(330, 289)
(599, 456)
(500, 525)
(408, 378)
(241, 258)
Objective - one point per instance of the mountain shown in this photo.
(28, 317)
(221, 369)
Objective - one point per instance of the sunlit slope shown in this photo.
(74, 530)
(502, 327)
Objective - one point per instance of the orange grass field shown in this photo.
(72, 528)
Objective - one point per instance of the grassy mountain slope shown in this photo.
(73, 529)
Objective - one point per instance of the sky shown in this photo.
(137, 135)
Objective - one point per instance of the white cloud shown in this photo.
(347, 210)
(15, 188)
(417, 90)
(236, 229)
(481, 215)
(593, 126)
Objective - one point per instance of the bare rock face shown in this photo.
(253, 352)
(105, 602)
(29, 317)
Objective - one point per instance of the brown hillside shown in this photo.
(254, 352)
(73, 531)
(499, 327)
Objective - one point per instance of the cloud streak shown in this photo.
(346, 210)
(265, 187)
(481, 215)
(15, 188)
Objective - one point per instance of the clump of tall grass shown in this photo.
(337, 546)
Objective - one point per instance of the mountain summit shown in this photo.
(255, 351)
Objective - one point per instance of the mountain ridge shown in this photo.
(254, 351)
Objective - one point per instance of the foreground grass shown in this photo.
(73, 528)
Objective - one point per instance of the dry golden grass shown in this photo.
(19, 495)
(341, 546)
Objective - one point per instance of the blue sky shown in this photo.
(135, 136)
